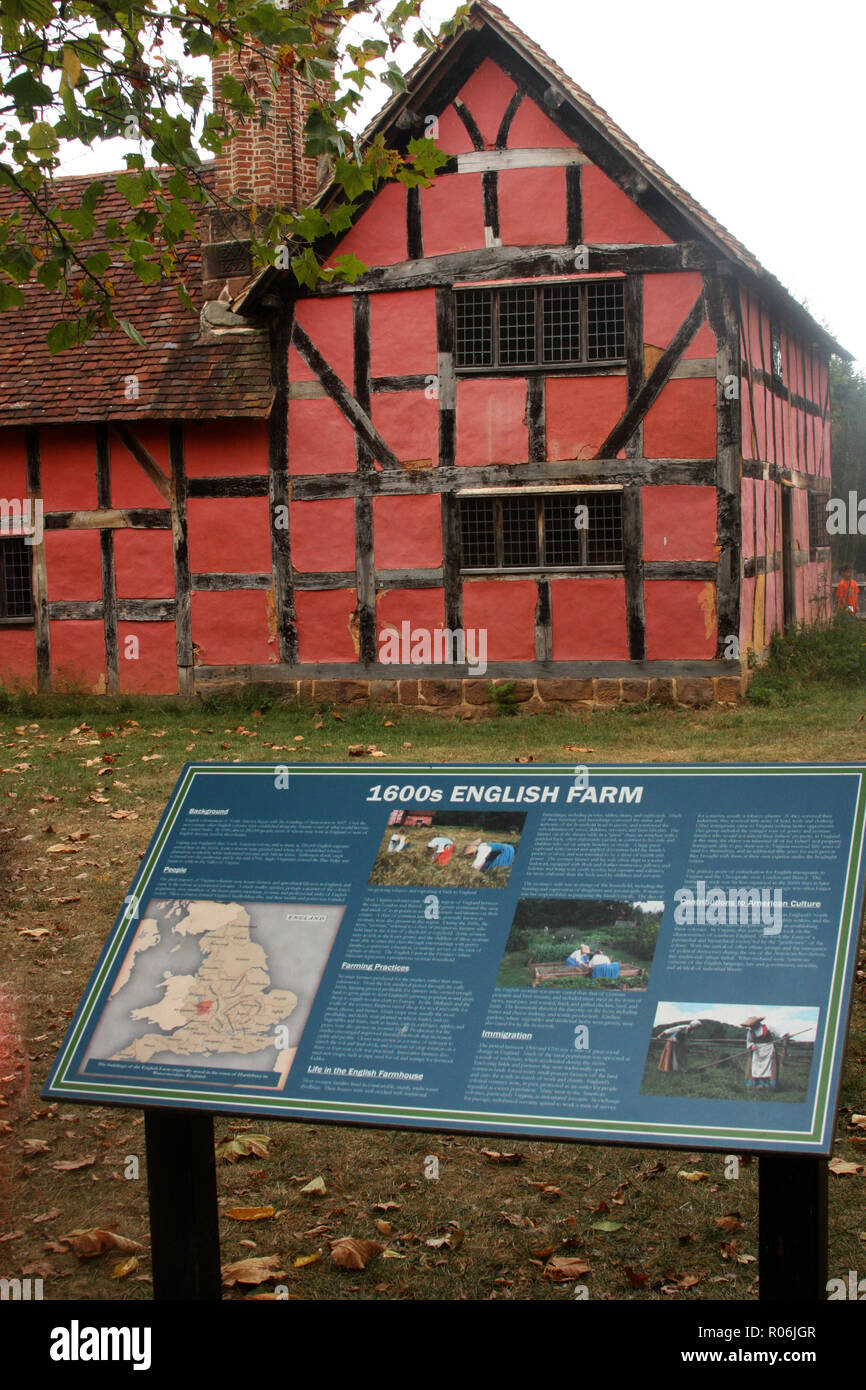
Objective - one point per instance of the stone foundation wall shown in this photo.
(471, 699)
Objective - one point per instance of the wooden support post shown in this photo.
(106, 548)
(278, 488)
(634, 355)
(183, 613)
(39, 575)
(182, 1193)
(723, 314)
(632, 555)
(365, 568)
(792, 1227)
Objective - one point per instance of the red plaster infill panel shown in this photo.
(379, 235)
(532, 207)
(453, 136)
(130, 485)
(13, 470)
(679, 523)
(487, 94)
(154, 671)
(230, 447)
(505, 609)
(609, 215)
(681, 423)
(74, 564)
(144, 564)
(491, 421)
(667, 300)
(680, 619)
(581, 412)
(321, 440)
(420, 608)
(531, 129)
(747, 614)
(68, 468)
(77, 653)
(327, 624)
(452, 214)
(228, 535)
(589, 620)
(402, 333)
(328, 324)
(17, 657)
(232, 627)
(747, 513)
(323, 535)
(407, 532)
(409, 424)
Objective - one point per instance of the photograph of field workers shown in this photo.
(731, 1052)
(581, 943)
(447, 849)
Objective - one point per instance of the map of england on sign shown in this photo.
(207, 983)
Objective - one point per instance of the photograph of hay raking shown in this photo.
(447, 849)
(731, 1051)
(581, 943)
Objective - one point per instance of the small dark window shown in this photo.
(818, 539)
(16, 589)
(562, 530)
(532, 326)
(776, 353)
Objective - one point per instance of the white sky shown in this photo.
(753, 108)
(776, 1016)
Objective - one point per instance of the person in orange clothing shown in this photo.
(847, 591)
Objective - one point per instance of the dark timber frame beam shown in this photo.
(339, 393)
(724, 319)
(180, 542)
(652, 386)
(106, 548)
(365, 572)
(39, 576)
(145, 460)
(280, 330)
(649, 472)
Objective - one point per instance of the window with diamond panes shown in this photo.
(570, 530)
(16, 590)
(518, 326)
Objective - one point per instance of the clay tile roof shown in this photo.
(181, 375)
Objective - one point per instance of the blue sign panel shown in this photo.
(646, 954)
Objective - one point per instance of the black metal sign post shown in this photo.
(792, 1227)
(184, 1216)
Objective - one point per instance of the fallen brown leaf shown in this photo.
(259, 1269)
(349, 1253)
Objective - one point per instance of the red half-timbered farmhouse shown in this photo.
(563, 418)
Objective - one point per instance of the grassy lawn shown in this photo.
(82, 786)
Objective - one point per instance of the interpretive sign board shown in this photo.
(646, 954)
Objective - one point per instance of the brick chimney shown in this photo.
(264, 165)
